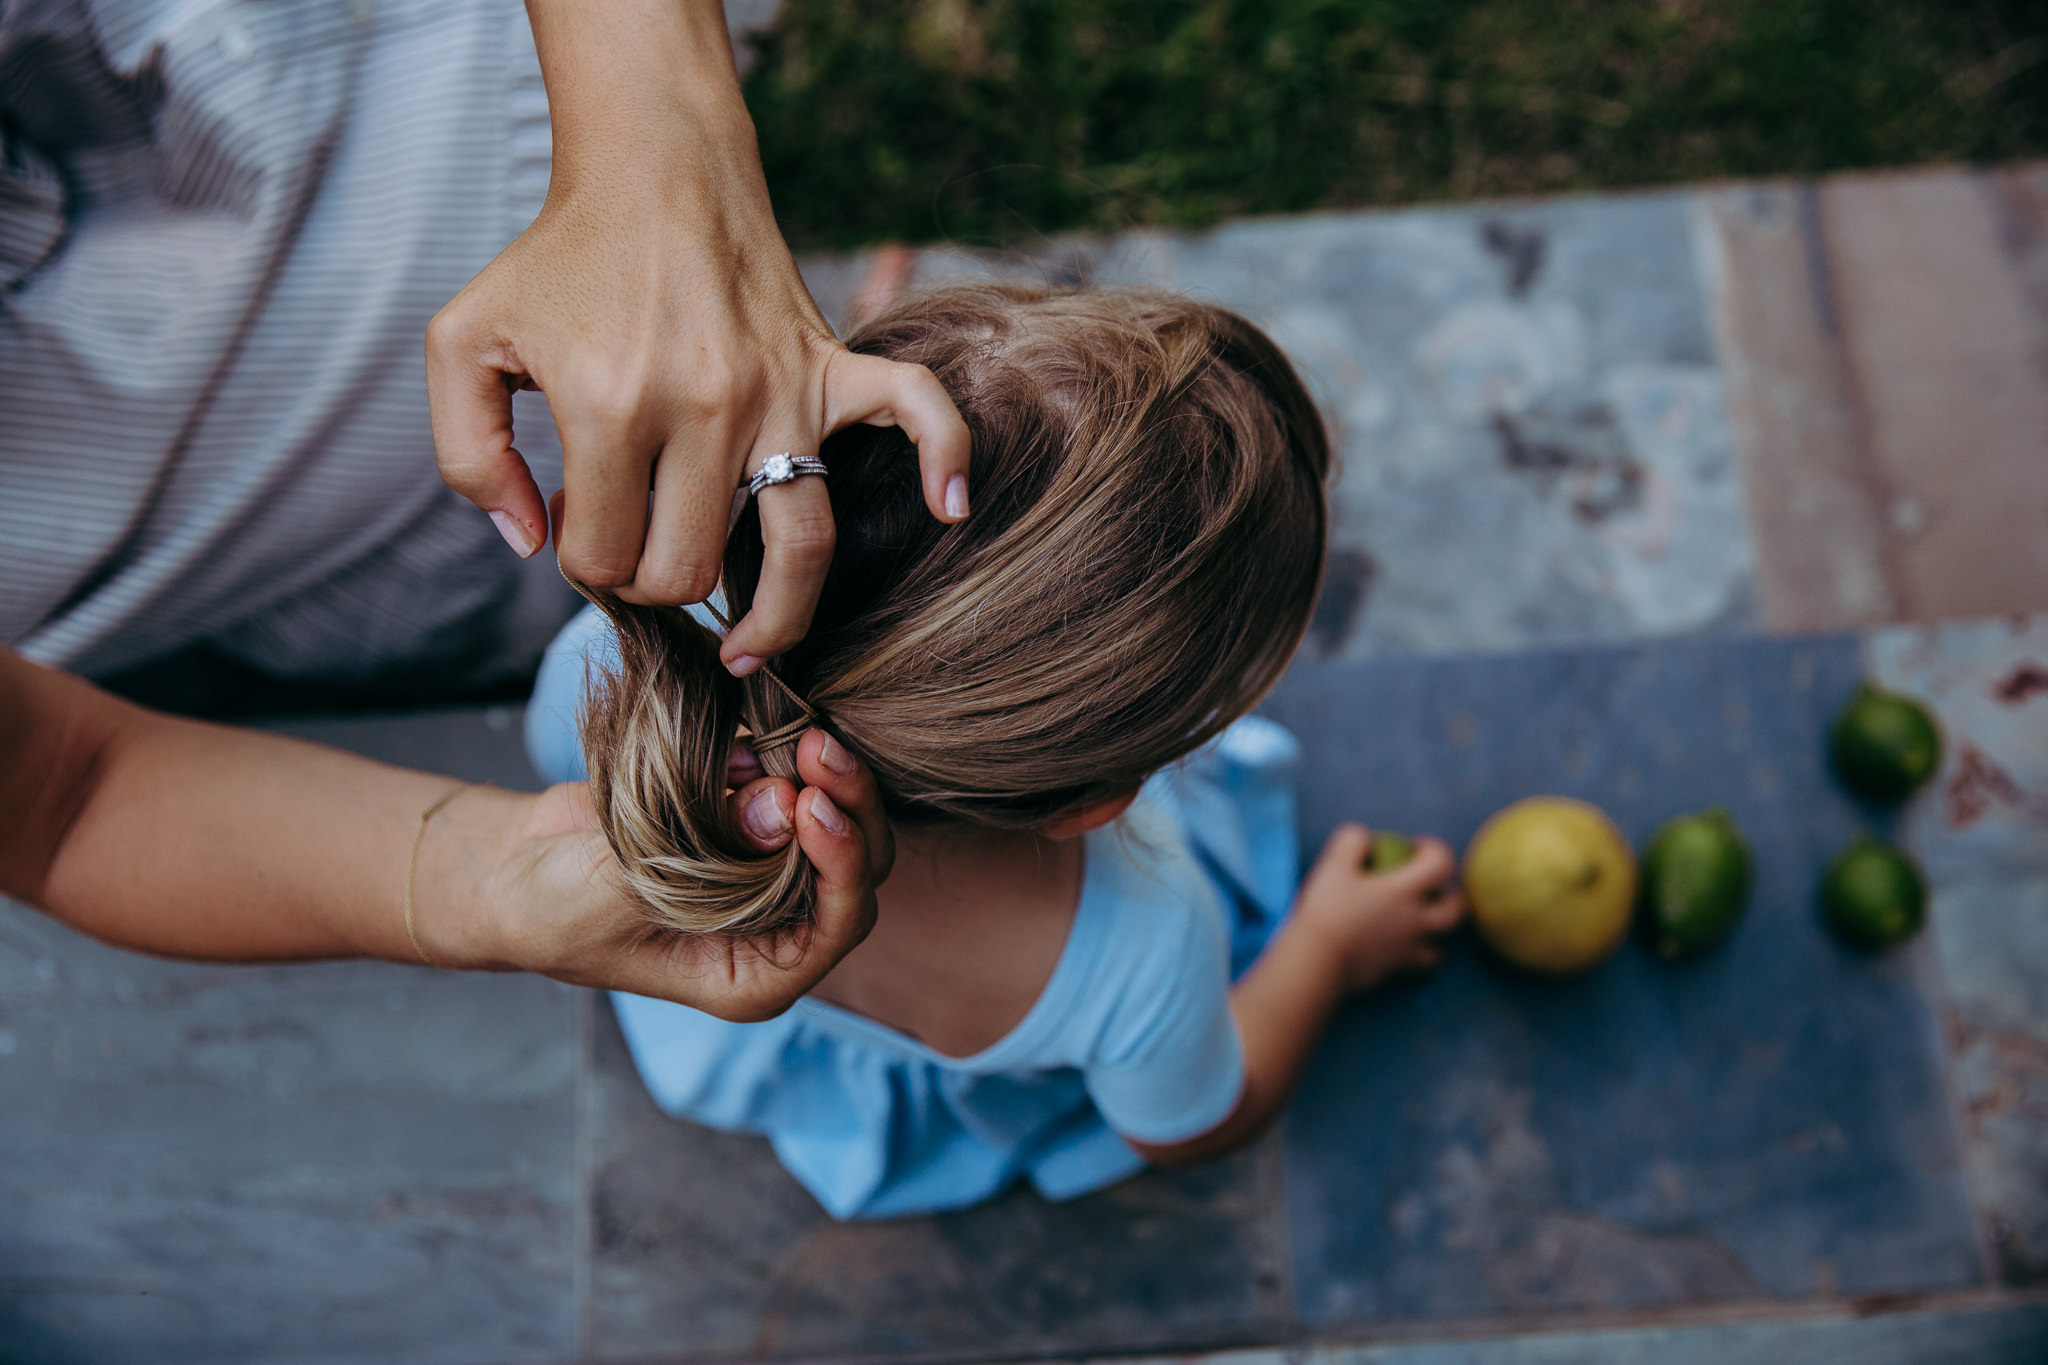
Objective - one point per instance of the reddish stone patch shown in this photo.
(1978, 784)
(2023, 682)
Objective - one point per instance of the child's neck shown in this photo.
(972, 923)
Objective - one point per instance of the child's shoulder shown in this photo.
(1151, 928)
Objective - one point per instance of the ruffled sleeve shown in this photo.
(1167, 1064)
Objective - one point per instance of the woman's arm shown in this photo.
(191, 840)
(655, 303)
(1350, 931)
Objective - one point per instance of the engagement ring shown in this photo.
(784, 468)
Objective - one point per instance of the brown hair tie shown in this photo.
(776, 738)
(790, 732)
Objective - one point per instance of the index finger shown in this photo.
(890, 393)
(469, 408)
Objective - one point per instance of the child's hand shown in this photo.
(1377, 924)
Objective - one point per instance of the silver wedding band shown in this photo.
(784, 468)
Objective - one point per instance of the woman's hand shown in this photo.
(655, 303)
(551, 900)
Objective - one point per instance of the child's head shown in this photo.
(1143, 557)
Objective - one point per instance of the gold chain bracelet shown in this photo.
(412, 867)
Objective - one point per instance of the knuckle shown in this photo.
(681, 581)
(608, 406)
(447, 328)
(714, 386)
(806, 539)
(462, 469)
(598, 568)
(777, 637)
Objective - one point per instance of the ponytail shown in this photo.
(658, 733)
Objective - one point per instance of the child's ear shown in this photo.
(1090, 817)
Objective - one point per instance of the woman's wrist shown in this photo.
(464, 883)
(638, 87)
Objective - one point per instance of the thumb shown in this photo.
(846, 894)
(469, 399)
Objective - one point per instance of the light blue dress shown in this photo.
(1132, 1035)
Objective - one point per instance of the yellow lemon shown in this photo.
(1552, 884)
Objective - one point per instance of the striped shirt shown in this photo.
(224, 225)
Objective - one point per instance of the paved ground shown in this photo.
(1634, 490)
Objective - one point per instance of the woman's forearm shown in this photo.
(191, 840)
(1282, 1005)
(643, 92)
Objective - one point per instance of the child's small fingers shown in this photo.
(1431, 867)
(1444, 912)
(1344, 851)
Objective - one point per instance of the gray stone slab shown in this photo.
(338, 1162)
(1533, 427)
(1981, 830)
(704, 1248)
(1767, 1120)
(2006, 1334)
(475, 743)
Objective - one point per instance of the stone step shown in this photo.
(1886, 343)
(1774, 406)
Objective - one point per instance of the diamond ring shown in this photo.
(783, 468)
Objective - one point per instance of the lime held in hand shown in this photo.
(1884, 745)
(1389, 850)
(1697, 874)
(1873, 895)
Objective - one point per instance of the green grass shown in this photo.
(993, 121)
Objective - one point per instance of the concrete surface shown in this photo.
(2002, 1334)
(1766, 1120)
(1982, 833)
(1886, 338)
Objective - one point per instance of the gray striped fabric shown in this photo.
(223, 228)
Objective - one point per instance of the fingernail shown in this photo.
(827, 814)
(744, 758)
(836, 758)
(765, 818)
(956, 496)
(516, 535)
(742, 665)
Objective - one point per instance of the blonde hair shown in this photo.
(1143, 557)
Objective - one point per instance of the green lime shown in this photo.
(1389, 850)
(1873, 894)
(1884, 745)
(1697, 874)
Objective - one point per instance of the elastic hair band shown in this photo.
(781, 735)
